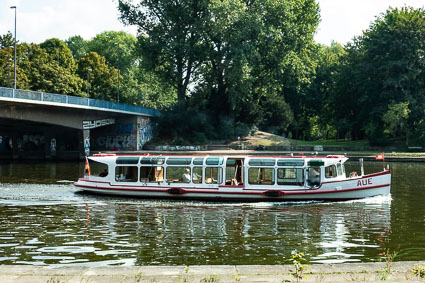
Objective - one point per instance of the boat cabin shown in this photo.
(218, 171)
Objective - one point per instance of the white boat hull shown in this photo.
(353, 188)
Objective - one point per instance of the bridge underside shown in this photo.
(32, 140)
(34, 131)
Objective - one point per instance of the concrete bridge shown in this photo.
(46, 125)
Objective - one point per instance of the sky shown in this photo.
(38, 20)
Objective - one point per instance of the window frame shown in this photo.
(119, 177)
(296, 183)
(258, 182)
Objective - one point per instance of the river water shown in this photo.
(44, 220)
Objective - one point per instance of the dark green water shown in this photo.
(45, 221)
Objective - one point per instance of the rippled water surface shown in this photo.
(44, 220)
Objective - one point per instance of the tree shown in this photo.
(146, 89)
(239, 57)
(46, 75)
(320, 98)
(6, 40)
(257, 56)
(385, 66)
(118, 47)
(100, 79)
(78, 46)
(60, 53)
(6, 64)
(396, 118)
(169, 40)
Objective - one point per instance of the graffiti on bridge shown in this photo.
(145, 134)
(120, 142)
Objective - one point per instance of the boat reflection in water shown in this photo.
(262, 233)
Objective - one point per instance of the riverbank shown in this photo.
(351, 272)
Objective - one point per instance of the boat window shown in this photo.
(98, 169)
(330, 171)
(151, 174)
(290, 162)
(127, 160)
(215, 161)
(126, 174)
(290, 176)
(198, 161)
(197, 175)
(261, 176)
(213, 175)
(340, 169)
(314, 175)
(179, 160)
(262, 162)
(152, 160)
(180, 174)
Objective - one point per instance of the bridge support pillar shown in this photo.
(86, 142)
(49, 144)
(84, 137)
(15, 149)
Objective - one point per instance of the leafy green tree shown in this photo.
(385, 66)
(7, 67)
(6, 64)
(254, 50)
(60, 53)
(118, 48)
(396, 119)
(146, 89)
(225, 75)
(100, 80)
(170, 37)
(78, 46)
(287, 50)
(6, 40)
(45, 74)
(319, 100)
(240, 58)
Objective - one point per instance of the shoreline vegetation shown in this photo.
(262, 143)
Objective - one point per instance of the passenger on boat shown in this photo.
(104, 173)
(186, 176)
(314, 176)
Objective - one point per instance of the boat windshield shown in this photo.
(98, 169)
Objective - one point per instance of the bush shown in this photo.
(181, 124)
(177, 141)
(242, 130)
(198, 138)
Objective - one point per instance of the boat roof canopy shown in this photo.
(296, 161)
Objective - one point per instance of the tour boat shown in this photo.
(231, 178)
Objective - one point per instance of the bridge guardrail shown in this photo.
(75, 100)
